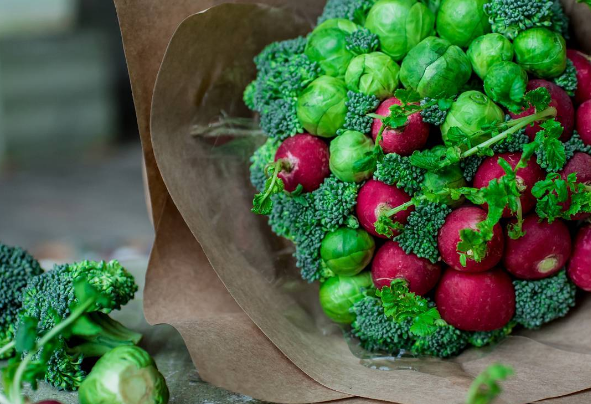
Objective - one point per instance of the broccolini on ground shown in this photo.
(419, 235)
(568, 79)
(262, 156)
(375, 331)
(354, 10)
(445, 342)
(358, 106)
(17, 268)
(48, 297)
(539, 302)
(397, 170)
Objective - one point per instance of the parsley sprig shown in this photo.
(485, 387)
(262, 203)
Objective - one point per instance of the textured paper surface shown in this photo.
(204, 72)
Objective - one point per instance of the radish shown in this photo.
(391, 262)
(476, 301)
(584, 122)
(526, 177)
(468, 217)
(583, 66)
(560, 100)
(376, 197)
(404, 140)
(541, 252)
(579, 268)
(580, 163)
(304, 161)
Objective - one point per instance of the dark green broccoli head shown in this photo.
(539, 302)
(375, 331)
(362, 41)
(433, 114)
(262, 156)
(17, 268)
(575, 144)
(483, 338)
(354, 10)
(568, 79)
(397, 170)
(447, 341)
(358, 106)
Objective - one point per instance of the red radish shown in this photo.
(580, 163)
(579, 268)
(468, 217)
(542, 252)
(404, 140)
(391, 262)
(560, 100)
(583, 66)
(306, 162)
(526, 177)
(584, 122)
(376, 197)
(482, 301)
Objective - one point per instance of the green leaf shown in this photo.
(386, 226)
(539, 98)
(445, 104)
(262, 203)
(407, 96)
(26, 334)
(486, 388)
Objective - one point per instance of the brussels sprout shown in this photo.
(346, 152)
(506, 83)
(487, 50)
(328, 47)
(451, 177)
(321, 107)
(460, 21)
(338, 294)
(124, 375)
(435, 68)
(400, 25)
(373, 74)
(541, 52)
(469, 113)
(347, 251)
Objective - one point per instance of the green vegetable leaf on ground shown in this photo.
(486, 388)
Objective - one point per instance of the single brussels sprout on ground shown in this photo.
(124, 375)
(506, 83)
(460, 21)
(340, 293)
(347, 151)
(400, 25)
(435, 68)
(347, 251)
(487, 50)
(451, 177)
(373, 74)
(541, 52)
(321, 107)
(328, 47)
(469, 113)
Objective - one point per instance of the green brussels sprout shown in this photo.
(460, 21)
(342, 24)
(506, 83)
(338, 295)
(435, 68)
(125, 375)
(373, 74)
(400, 25)
(346, 150)
(541, 52)
(328, 47)
(347, 251)
(487, 50)
(469, 113)
(451, 177)
(321, 108)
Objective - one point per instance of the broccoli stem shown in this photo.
(7, 348)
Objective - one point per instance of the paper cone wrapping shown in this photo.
(230, 286)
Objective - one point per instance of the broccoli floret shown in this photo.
(512, 144)
(419, 235)
(397, 170)
(306, 220)
(279, 53)
(259, 160)
(470, 165)
(48, 297)
(362, 41)
(447, 341)
(358, 106)
(433, 114)
(375, 331)
(510, 17)
(17, 267)
(484, 338)
(280, 120)
(539, 302)
(575, 144)
(568, 79)
(354, 10)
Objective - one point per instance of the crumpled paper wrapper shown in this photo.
(220, 276)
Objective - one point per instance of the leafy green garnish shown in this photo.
(485, 387)
(553, 193)
(262, 203)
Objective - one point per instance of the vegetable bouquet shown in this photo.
(431, 163)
